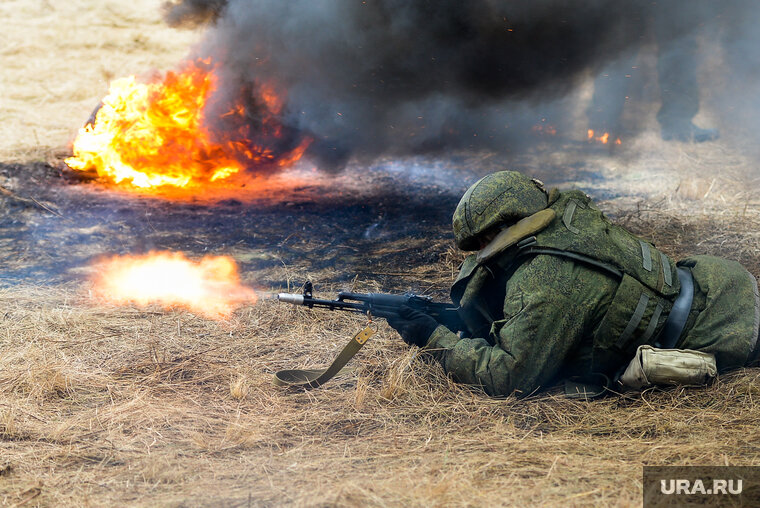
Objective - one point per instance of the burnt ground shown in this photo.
(380, 225)
(316, 234)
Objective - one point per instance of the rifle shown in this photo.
(380, 305)
(373, 305)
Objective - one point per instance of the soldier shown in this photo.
(556, 292)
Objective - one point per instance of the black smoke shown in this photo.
(400, 77)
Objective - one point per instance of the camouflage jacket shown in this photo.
(577, 296)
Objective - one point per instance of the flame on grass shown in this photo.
(173, 132)
(603, 138)
(210, 287)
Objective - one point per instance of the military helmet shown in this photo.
(497, 199)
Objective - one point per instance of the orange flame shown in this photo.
(603, 139)
(159, 133)
(210, 287)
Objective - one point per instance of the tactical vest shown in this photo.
(580, 232)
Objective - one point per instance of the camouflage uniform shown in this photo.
(575, 295)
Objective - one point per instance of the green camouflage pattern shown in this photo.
(499, 198)
(580, 227)
(537, 320)
(526, 348)
(726, 311)
(650, 279)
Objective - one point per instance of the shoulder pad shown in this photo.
(521, 229)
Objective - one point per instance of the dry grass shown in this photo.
(108, 406)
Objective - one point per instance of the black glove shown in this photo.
(415, 327)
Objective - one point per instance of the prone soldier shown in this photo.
(555, 291)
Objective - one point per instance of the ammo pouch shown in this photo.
(652, 366)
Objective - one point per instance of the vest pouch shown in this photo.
(630, 321)
(653, 366)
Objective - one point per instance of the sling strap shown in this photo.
(312, 378)
(526, 248)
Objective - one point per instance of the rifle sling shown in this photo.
(313, 378)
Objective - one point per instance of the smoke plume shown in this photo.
(400, 77)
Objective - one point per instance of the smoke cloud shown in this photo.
(401, 77)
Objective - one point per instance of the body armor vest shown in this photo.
(580, 232)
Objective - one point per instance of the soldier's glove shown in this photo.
(415, 327)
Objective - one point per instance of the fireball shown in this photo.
(172, 132)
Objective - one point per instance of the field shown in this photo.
(123, 406)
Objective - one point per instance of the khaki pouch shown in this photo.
(652, 366)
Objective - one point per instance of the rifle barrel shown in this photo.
(290, 298)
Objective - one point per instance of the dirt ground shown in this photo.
(121, 406)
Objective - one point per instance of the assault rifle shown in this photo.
(380, 305)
